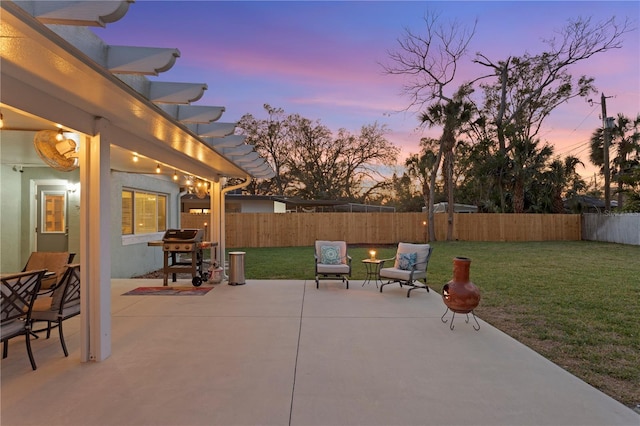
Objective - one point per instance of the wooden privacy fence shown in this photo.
(302, 229)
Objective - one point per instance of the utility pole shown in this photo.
(606, 125)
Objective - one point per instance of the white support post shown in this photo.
(215, 221)
(95, 245)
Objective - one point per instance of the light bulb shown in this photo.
(1, 120)
(60, 135)
(175, 175)
(158, 168)
(135, 157)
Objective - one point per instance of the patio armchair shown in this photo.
(18, 293)
(332, 261)
(410, 265)
(63, 304)
(52, 261)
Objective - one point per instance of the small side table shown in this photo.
(373, 271)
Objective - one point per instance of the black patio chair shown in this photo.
(18, 294)
(64, 303)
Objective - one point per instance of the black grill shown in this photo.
(177, 242)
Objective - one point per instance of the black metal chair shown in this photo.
(19, 292)
(63, 304)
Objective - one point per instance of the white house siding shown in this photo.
(257, 206)
(130, 255)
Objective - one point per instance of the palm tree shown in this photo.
(563, 179)
(452, 114)
(625, 140)
(527, 163)
(424, 167)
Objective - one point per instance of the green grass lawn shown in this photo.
(576, 303)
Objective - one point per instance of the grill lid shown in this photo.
(183, 235)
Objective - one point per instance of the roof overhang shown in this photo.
(48, 77)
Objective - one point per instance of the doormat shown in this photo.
(168, 291)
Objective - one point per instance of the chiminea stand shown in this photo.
(467, 320)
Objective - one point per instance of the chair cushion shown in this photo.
(421, 250)
(401, 274)
(330, 255)
(12, 328)
(42, 303)
(341, 246)
(52, 262)
(406, 261)
(333, 269)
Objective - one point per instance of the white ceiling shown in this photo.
(16, 145)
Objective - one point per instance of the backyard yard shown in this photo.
(577, 303)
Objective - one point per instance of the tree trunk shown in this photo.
(432, 195)
(448, 163)
(426, 196)
(518, 197)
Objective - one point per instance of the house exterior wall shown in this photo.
(10, 219)
(130, 254)
(15, 213)
(260, 206)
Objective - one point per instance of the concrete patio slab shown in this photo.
(286, 353)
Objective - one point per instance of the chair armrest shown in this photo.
(384, 260)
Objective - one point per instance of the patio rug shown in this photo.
(168, 291)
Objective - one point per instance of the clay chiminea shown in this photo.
(461, 295)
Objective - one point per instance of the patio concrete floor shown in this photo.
(286, 353)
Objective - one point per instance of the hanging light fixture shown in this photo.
(135, 157)
(158, 168)
(1, 120)
(60, 135)
(175, 175)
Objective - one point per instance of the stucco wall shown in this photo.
(10, 223)
(15, 213)
(130, 255)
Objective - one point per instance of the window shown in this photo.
(143, 212)
(54, 211)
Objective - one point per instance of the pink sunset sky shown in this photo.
(322, 59)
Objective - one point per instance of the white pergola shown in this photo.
(56, 72)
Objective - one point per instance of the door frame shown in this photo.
(33, 207)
